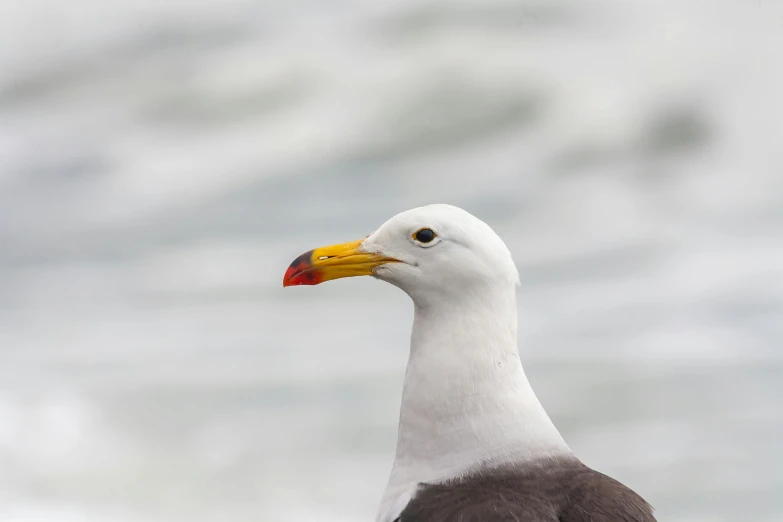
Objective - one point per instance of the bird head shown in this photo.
(435, 249)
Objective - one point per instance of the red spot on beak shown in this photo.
(301, 272)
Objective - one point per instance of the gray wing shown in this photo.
(569, 492)
(596, 497)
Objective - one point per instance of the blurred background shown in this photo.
(161, 163)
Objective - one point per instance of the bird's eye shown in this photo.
(425, 235)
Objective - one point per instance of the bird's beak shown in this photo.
(332, 262)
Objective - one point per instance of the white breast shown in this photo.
(466, 400)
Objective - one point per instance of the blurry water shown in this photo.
(161, 163)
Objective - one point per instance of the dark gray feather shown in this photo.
(556, 490)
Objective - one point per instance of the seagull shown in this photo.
(474, 443)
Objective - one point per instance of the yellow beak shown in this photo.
(332, 262)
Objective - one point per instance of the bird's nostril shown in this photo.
(324, 257)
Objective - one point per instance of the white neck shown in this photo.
(466, 402)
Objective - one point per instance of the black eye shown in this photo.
(425, 235)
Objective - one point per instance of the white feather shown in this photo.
(466, 400)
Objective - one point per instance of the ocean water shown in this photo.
(161, 163)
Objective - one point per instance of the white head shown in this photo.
(436, 251)
(443, 250)
(466, 401)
